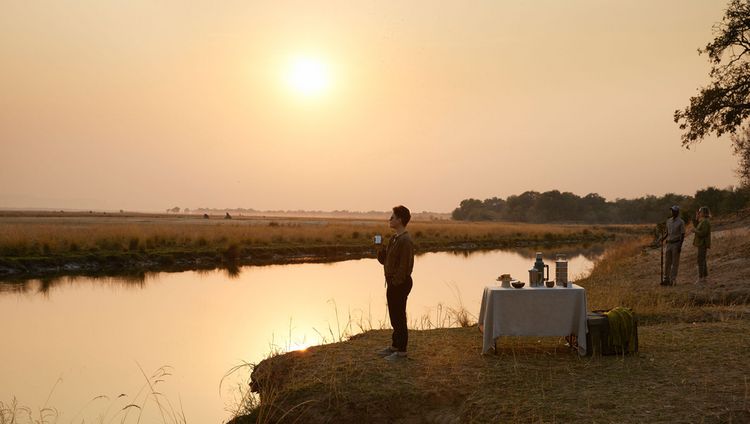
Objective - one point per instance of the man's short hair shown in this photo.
(402, 213)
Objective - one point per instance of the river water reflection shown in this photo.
(79, 338)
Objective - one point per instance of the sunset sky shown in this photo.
(358, 105)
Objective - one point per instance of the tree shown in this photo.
(494, 204)
(594, 208)
(711, 197)
(517, 207)
(725, 104)
(467, 209)
(741, 148)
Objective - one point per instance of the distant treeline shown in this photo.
(554, 206)
(300, 213)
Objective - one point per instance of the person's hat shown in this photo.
(675, 208)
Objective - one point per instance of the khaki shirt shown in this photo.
(397, 259)
(675, 230)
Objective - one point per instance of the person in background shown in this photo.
(398, 261)
(702, 241)
(675, 236)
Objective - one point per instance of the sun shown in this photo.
(307, 76)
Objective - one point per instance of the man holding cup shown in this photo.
(398, 261)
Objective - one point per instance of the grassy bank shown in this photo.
(692, 365)
(50, 244)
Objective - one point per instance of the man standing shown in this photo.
(675, 236)
(398, 261)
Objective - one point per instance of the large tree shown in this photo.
(724, 105)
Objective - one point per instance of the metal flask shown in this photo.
(540, 266)
(561, 270)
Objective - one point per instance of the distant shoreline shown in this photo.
(135, 264)
(33, 246)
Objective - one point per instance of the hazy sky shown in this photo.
(144, 105)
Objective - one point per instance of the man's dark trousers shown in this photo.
(396, 296)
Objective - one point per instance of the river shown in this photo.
(88, 347)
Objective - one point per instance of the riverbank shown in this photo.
(49, 245)
(692, 365)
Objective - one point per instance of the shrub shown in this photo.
(232, 253)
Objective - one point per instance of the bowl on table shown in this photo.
(550, 283)
(517, 284)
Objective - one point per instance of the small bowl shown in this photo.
(550, 283)
(517, 284)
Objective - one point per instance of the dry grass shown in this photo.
(629, 276)
(149, 404)
(44, 236)
(692, 365)
(685, 373)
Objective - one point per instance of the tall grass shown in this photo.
(629, 275)
(248, 404)
(76, 235)
(102, 409)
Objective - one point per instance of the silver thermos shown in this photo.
(534, 277)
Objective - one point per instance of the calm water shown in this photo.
(67, 341)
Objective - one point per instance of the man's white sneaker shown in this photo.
(386, 351)
(396, 356)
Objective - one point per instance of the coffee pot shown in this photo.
(539, 266)
(534, 277)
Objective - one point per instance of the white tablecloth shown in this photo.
(537, 311)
